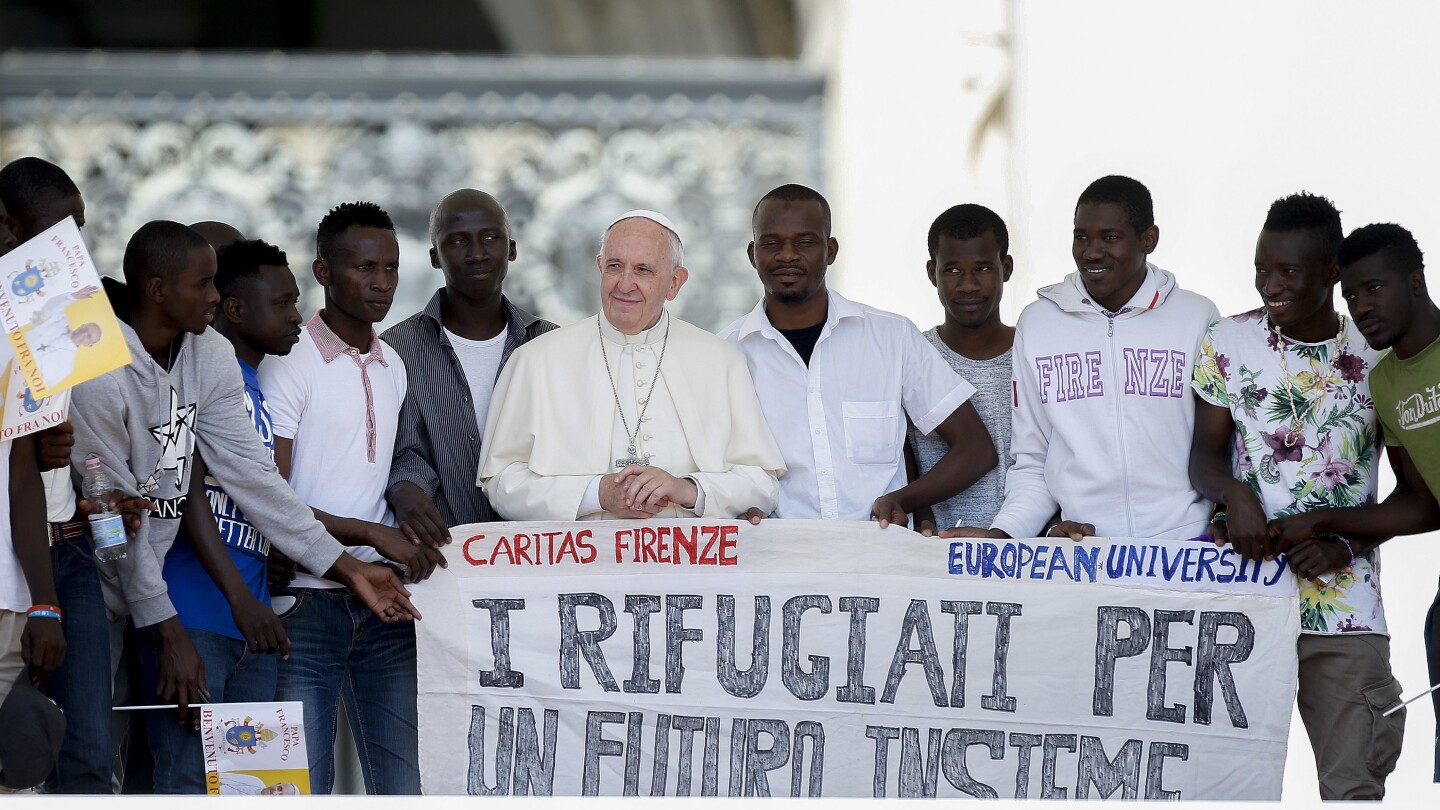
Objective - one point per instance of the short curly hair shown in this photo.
(342, 218)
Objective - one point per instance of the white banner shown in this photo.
(821, 658)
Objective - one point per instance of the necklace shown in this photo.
(1296, 433)
(169, 355)
(632, 458)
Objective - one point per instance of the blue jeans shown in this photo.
(339, 649)
(1432, 654)
(233, 674)
(84, 684)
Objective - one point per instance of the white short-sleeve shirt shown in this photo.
(341, 409)
(840, 422)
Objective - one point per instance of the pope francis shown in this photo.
(633, 413)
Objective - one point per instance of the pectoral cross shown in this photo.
(632, 459)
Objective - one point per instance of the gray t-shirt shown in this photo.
(977, 505)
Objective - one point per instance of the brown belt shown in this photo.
(62, 532)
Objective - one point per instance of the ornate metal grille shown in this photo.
(268, 143)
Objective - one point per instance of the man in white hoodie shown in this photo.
(1103, 407)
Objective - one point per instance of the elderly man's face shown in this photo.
(86, 335)
(281, 789)
(637, 274)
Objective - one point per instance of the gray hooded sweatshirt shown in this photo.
(144, 423)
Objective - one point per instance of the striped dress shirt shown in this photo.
(437, 447)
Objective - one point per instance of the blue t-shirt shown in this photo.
(197, 599)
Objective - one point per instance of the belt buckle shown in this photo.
(52, 533)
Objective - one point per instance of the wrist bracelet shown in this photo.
(1348, 548)
(1050, 531)
(43, 612)
(1218, 517)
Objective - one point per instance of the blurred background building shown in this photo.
(267, 113)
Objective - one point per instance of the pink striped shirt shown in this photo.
(331, 347)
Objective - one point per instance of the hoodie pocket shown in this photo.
(872, 431)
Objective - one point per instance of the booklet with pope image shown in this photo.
(255, 749)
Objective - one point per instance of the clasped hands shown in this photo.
(1308, 548)
(642, 491)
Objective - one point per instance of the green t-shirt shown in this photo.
(1407, 399)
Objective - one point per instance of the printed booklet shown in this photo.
(255, 749)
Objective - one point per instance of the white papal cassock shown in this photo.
(553, 426)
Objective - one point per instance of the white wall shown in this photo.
(908, 81)
(1219, 107)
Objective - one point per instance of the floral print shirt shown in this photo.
(1331, 460)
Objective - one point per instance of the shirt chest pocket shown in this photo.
(872, 432)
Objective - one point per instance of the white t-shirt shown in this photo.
(344, 436)
(59, 495)
(480, 360)
(14, 593)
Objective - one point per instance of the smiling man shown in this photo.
(55, 341)
(969, 265)
(1287, 429)
(837, 380)
(1103, 409)
(454, 350)
(633, 413)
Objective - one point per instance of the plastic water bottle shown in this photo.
(107, 527)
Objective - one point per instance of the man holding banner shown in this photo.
(1285, 390)
(1103, 414)
(686, 437)
(839, 381)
